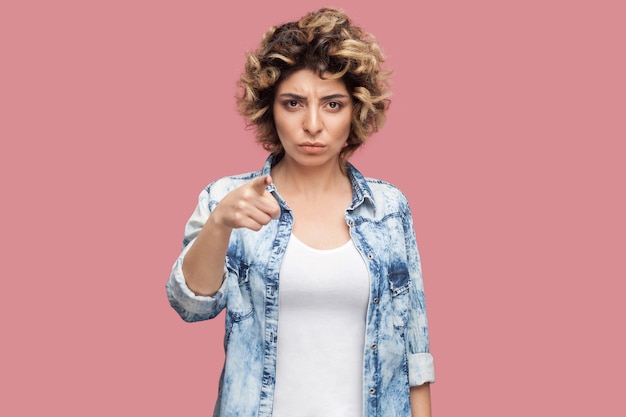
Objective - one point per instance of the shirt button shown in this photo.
(370, 256)
(351, 223)
(375, 300)
(372, 390)
(374, 345)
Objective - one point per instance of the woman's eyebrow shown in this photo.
(299, 97)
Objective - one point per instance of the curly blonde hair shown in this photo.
(327, 43)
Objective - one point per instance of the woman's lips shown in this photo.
(312, 148)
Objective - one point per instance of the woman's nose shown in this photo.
(312, 123)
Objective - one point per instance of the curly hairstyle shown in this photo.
(329, 44)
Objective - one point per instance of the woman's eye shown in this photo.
(333, 105)
(291, 104)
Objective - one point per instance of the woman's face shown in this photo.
(313, 118)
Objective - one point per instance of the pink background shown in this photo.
(506, 131)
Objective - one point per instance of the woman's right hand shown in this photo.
(250, 206)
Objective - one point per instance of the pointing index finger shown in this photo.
(260, 184)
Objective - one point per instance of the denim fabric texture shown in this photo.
(396, 345)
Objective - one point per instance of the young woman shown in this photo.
(315, 265)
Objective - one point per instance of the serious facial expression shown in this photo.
(313, 117)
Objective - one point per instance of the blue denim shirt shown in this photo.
(396, 345)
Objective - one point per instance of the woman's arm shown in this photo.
(203, 265)
(249, 206)
(420, 401)
(421, 371)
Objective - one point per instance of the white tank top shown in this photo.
(323, 302)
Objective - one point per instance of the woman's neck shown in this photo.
(311, 181)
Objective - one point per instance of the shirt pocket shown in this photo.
(239, 306)
(399, 288)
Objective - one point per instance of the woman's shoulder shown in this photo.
(224, 185)
(384, 191)
(383, 186)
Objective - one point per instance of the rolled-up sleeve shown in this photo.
(420, 361)
(421, 368)
(189, 306)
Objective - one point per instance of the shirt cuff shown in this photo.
(190, 306)
(421, 369)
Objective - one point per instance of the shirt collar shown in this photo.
(361, 191)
